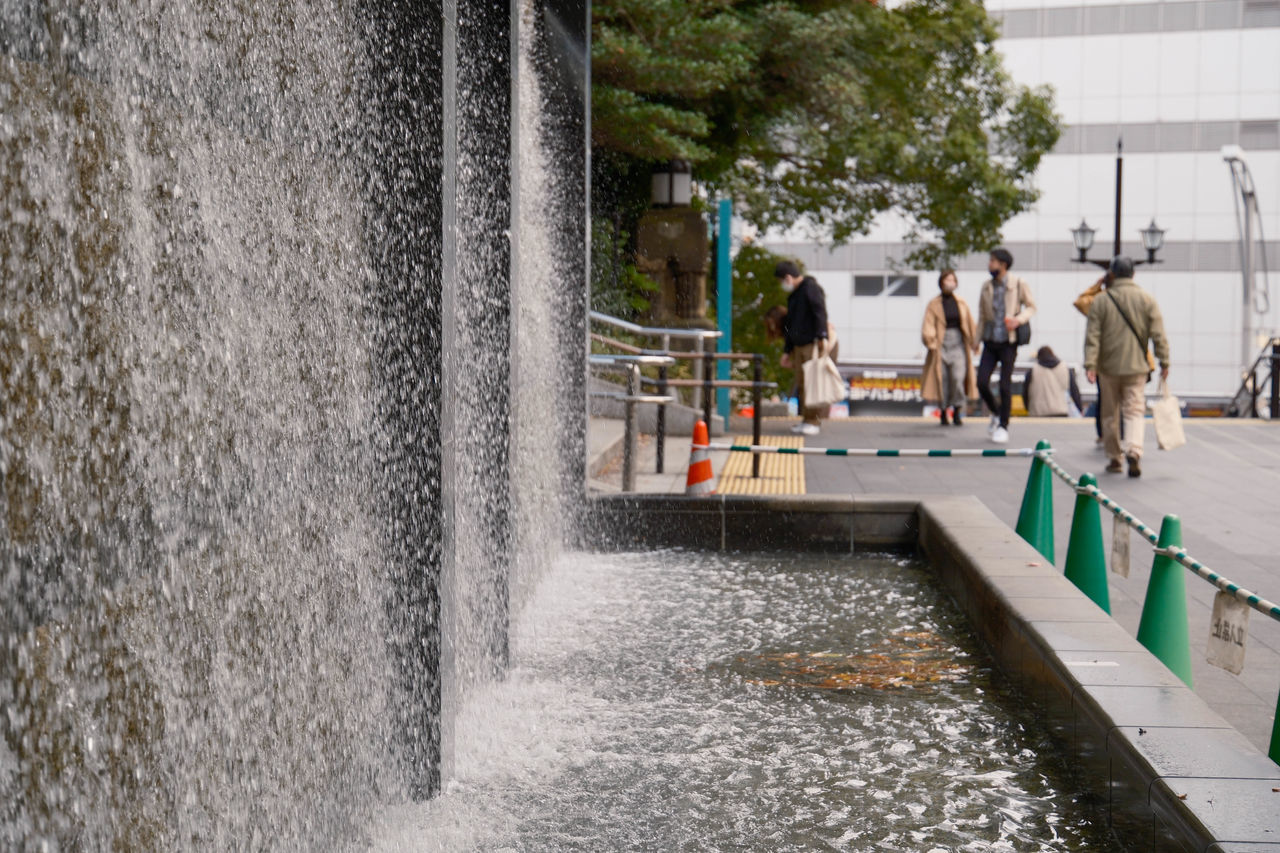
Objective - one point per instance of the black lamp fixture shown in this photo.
(1082, 235)
(1152, 240)
(672, 184)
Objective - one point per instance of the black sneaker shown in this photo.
(955, 419)
(1135, 470)
(942, 418)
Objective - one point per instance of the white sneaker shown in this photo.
(993, 425)
(810, 429)
(798, 429)
(1000, 436)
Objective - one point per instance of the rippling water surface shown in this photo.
(688, 701)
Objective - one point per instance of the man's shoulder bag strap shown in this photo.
(1142, 344)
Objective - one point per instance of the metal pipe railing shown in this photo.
(655, 331)
(630, 364)
(703, 383)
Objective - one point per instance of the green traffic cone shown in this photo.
(1086, 559)
(1163, 627)
(1035, 520)
(1274, 752)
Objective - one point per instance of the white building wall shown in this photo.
(1182, 79)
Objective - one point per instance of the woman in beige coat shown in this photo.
(951, 338)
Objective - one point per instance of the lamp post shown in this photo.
(1082, 235)
(1257, 300)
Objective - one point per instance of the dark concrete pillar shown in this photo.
(479, 311)
(405, 166)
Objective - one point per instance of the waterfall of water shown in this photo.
(230, 487)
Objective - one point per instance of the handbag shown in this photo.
(1023, 335)
(823, 384)
(1166, 414)
(1085, 300)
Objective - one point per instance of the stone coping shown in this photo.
(1175, 775)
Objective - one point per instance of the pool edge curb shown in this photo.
(1160, 753)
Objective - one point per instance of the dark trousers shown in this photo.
(1004, 355)
(1097, 415)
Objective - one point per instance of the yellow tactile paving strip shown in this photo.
(779, 474)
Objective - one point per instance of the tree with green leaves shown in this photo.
(826, 113)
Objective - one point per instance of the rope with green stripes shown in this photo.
(1179, 555)
(1094, 492)
(1258, 603)
(865, 451)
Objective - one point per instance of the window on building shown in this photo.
(1260, 135)
(868, 285)
(1221, 14)
(1142, 18)
(904, 285)
(1063, 22)
(1021, 23)
(1262, 13)
(1103, 20)
(1177, 136)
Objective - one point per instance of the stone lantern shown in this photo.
(672, 248)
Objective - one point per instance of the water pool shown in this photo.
(694, 701)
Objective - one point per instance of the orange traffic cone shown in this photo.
(700, 480)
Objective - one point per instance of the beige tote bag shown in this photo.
(1166, 413)
(823, 384)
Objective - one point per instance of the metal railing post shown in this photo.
(757, 392)
(662, 418)
(629, 437)
(1275, 380)
(708, 391)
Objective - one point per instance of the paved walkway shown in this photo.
(1225, 485)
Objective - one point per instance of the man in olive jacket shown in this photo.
(1122, 320)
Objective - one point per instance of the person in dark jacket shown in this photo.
(805, 332)
(1048, 385)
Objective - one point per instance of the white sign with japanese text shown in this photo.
(1120, 547)
(1227, 632)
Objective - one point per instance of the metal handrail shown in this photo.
(704, 363)
(654, 331)
(634, 350)
(631, 364)
(1245, 401)
(647, 359)
(633, 398)
(700, 337)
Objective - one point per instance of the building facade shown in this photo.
(1176, 81)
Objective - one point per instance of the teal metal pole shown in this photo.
(724, 302)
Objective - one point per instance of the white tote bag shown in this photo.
(1166, 413)
(822, 382)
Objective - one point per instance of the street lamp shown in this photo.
(1152, 240)
(672, 184)
(1083, 238)
(1082, 235)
